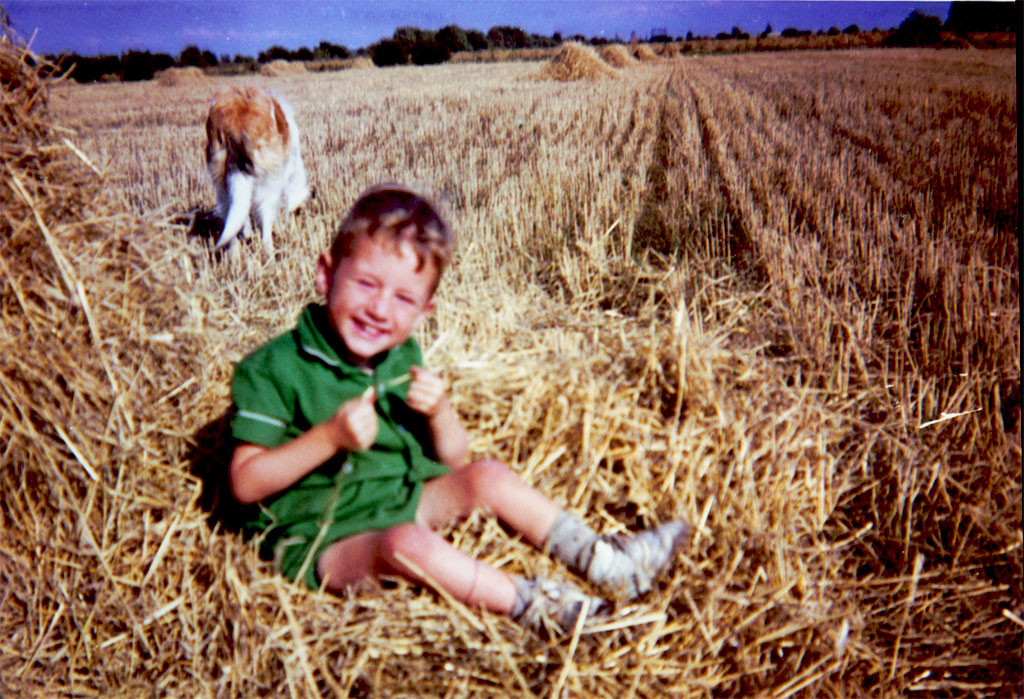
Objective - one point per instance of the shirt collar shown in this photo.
(318, 339)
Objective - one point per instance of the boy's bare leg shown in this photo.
(376, 553)
(628, 564)
(495, 487)
(470, 581)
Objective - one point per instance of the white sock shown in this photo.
(624, 563)
(538, 599)
(572, 542)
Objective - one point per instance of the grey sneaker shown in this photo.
(631, 563)
(539, 601)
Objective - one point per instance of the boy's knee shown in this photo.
(410, 541)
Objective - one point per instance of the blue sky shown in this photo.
(229, 27)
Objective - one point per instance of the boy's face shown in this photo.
(376, 297)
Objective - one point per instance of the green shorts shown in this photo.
(351, 507)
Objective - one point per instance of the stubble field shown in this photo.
(775, 294)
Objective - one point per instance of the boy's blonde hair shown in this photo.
(407, 216)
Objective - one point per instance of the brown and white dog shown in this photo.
(252, 151)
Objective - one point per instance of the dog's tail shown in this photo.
(239, 186)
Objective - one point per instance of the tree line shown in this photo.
(411, 45)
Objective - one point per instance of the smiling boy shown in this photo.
(355, 454)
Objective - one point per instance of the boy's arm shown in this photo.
(257, 471)
(427, 396)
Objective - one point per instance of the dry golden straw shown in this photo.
(737, 289)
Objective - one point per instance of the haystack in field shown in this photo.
(616, 55)
(575, 61)
(670, 50)
(361, 62)
(88, 348)
(644, 53)
(189, 75)
(282, 67)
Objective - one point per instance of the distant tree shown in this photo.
(505, 37)
(477, 39)
(738, 33)
(689, 35)
(388, 52)
(103, 67)
(190, 56)
(557, 37)
(410, 35)
(766, 33)
(918, 29)
(834, 31)
(429, 52)
(984, 16)
(209, 59)
(162, 61)
(454, 38)
(420, 46)
(88, 69)
(137, 65)
(274, 53)
(302, 54)
(325, 50)
(852, 29)
(543, 41)
(793, 32)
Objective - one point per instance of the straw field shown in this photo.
(777, 295)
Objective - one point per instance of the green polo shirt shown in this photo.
(299, 380)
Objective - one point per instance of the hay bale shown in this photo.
(576, 62)
(616, 56)
(644, 53)
(190, 75)
(282, 67)
(79, 305)
(362, 62)
(670, 50)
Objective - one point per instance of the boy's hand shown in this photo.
(426, 393)
(356, 423)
